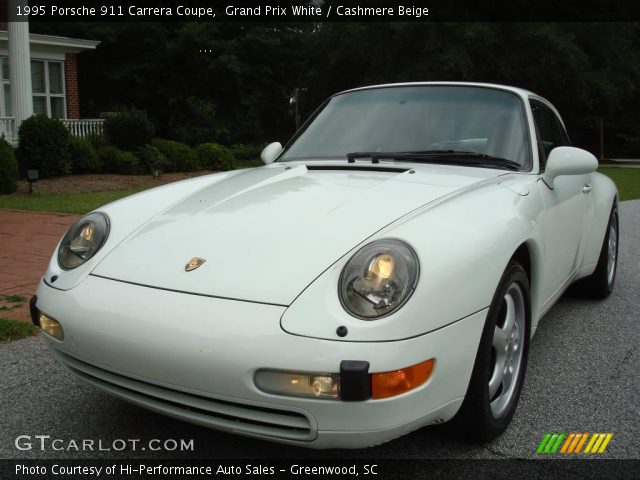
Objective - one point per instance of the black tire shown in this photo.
(599, 284)
(475, 420)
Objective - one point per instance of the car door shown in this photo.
(562, 218)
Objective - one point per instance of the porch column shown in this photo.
(19, 65)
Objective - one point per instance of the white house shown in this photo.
(39, 75)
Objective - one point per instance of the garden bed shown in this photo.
(102, 182)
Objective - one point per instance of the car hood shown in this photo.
(265, 234)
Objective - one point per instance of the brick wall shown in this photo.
(71, 85)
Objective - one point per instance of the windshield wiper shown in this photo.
(460, 157)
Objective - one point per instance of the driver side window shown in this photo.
(549, 129)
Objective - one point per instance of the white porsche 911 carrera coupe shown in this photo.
(384, 271)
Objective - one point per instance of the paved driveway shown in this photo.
(27, 240)
(582, 377)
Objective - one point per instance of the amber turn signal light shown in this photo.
(390, 384)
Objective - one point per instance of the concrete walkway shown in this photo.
(27, 241)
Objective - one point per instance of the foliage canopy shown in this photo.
(233, 83)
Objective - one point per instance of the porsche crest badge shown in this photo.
(194, 263)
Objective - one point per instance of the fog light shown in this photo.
(318, 385)
(51, 327)
(390, 384)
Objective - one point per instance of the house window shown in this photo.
(5, 93)
(47, 82)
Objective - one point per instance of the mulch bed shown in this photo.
(101, 182)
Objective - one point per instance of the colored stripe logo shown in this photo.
(573, 443)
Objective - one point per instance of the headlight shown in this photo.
(378, 279)
(51, 326)
(83, 240)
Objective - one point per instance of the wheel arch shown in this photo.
(529, 256)
(605, 197)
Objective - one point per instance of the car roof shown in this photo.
(520, 91)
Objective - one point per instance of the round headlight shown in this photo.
(83, 240)
(378, 279)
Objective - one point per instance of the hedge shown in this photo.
(128, 130)
(44, 146)
(8, 168)
(213, 156)
(83, 156)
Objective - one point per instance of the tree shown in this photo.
(232, 83)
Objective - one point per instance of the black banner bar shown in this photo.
(279, 11)
(305, 469)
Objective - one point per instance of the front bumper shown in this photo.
(195, 357)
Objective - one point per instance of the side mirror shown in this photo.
(569, 161)
(271, 152)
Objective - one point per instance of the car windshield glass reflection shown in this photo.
(444, 119)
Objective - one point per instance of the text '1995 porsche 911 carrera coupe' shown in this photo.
(384, 271)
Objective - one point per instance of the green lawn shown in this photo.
(70, 202)
(11, 302)
(627, 179)
(14, 329)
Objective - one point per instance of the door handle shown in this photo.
(586, 188)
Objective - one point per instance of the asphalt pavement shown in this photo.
(583, 376)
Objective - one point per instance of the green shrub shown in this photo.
(44, 146)
(251, 163)
(128, 130)
(8, 168)
(151, 158)
(129, 164)
(246, 156)
(180, 156)
(246, 152)
(83, 157)
(117, 161)
(108, 155)
(213, 156)
(97, 140)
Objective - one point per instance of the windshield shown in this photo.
(416, 119)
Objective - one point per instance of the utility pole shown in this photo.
(295, 99)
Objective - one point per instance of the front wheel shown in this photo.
(499, 369)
